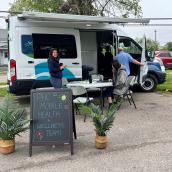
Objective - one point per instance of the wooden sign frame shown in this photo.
(71, 123)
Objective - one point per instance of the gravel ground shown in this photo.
(140, 141)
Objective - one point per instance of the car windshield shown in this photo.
(170, 53)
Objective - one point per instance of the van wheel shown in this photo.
(150, 83)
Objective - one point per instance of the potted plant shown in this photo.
(102, 120)
(13, 120)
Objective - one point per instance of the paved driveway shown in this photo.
(140, 141)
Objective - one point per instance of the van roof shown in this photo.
(38, 16)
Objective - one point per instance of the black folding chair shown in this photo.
(127, 92)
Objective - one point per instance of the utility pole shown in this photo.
(155, 34)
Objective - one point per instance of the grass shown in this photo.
(3, 83)
(166, 87)
(3, 92)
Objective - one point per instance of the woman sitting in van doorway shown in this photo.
(55, 68)
(119, 81)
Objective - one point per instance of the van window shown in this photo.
(134, 49)
(129, 46)
(42, 43)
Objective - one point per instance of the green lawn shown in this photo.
(3, 92)
(166, 87)
(3, 83)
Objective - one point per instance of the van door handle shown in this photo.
(76, 63)
(30, 62)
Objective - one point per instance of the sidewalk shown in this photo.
(140, 140)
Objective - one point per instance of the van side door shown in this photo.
(138, 53)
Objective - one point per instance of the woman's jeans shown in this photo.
(56, 82)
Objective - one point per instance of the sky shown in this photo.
(150, 9)
(154, 9)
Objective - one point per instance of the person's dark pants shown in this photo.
(56, 82)
(109, 92)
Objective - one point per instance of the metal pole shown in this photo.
(155, 35)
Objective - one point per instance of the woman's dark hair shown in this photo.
(51, 51)
(116, 64)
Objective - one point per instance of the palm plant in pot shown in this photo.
(102, 120)
(13, 121)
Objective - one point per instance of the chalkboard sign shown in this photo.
(51, 117)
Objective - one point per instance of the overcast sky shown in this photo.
(154, 9)
(150, 8)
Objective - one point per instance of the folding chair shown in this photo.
(127, 92)
(77, 99)
(130, 82)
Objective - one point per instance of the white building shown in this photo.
(3, 47)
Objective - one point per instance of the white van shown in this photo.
(78, 38)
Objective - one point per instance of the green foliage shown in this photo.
(151, 45)
(124, 8)
(13, 119)
(36, 5)
(81, 7)
(102, 121)
(168, 46)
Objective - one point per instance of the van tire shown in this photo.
(150, 84)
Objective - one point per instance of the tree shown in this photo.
(36, 5)
(151, 45)
(168, 46)
(123, 8)
(81, 7)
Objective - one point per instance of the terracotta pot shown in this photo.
(101, 142)
(7, 146)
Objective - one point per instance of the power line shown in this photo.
(163, 18)
(11, 12)
(4, 11)
(155, 34)
(139, 25)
